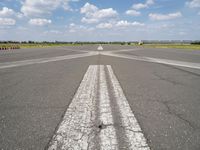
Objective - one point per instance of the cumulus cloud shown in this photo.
(93, 14)
(79, 28)
(7, 22)
(43, 7)
(39, 22)
(89, 20)
(150, 2)
(119, 24)
(143, 5)
(6, 12)
(133, 13)
(88, 8)
(193, 4)
(104, 25)
(53, 32)
(65, 4)
(125, 23)
(154, 16)
(139, 6)
(134, 10)
(37, 8)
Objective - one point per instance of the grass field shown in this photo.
(37, 45)
(178, 46)
(45, 45)
(40, 45)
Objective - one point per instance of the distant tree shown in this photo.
(31, 42)
(196, 43)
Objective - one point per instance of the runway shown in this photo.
(121, 97)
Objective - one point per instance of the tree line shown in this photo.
(103, 42)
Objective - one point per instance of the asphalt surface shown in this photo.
(164, 98)
(175, 54)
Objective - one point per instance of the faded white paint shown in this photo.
(155, 60)
(86, 127)
(132, 129)
(44, 60)
(76, 129)
(108, 138)
(108, 53)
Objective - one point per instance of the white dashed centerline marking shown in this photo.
(88, 122)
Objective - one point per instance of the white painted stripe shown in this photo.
(76, 129)
(75, 50)
(108, 138)
(156, 60)
(125, 50)
(133, 131)
(44, 60)
(79, 129)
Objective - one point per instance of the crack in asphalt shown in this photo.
(160, 77)
(182, 70)
(179, 116)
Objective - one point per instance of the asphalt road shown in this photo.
(164, 98)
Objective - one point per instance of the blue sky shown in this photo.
(99, 20)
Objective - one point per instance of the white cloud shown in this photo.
(182, 33)
(65, 4)
(6, 12)
(43, 7)
(104, 25)
(139, 6)
(199, 13)
(133, 13)
(105, 13)
(160, 26)
(119, 24)
(193, 4)
(19, 15)
(53, 32)
(150, 2)
(72, 25)
(154, 16)
(7, 21)
(39, 22)
(143, 5)
(88, 8)
(125, 23)
(93, 14)
(39, 7)
(89, 20)
(79, 28)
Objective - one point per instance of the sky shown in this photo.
(99, 20)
